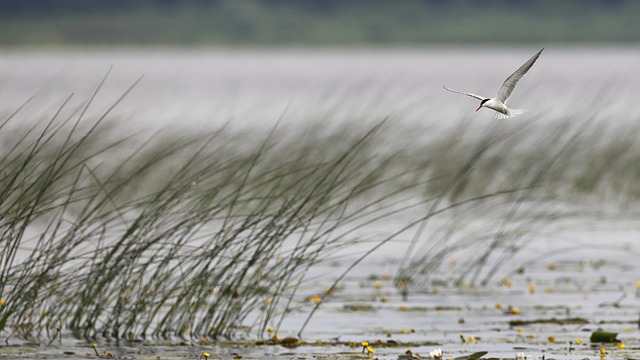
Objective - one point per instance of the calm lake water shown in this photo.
(253, 87)
(580, 271)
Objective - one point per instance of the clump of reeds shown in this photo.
(198, 235)
(534, 176)
(176, 236)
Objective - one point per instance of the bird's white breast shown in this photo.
(498, 106)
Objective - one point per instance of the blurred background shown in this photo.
(317, 22)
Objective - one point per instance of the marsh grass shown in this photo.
(571, 169)
(190, 235)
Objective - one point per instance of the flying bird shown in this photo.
(499, 103)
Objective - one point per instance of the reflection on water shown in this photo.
(253, 87)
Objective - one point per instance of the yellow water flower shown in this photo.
(384, 299)
(206, 355)
(267, 300)
(552, 339)
(402, 308)
(365, 345)
(578, 341)
(377, 285)
(602, 352)
(520, 330)
(404, 331)
(2, 302)
(498, 305)
(317, 298)
(472, 338)
(515, 311)
(621, 346)
(270, 329)
(532, 336)
(532, 288)
(95, 348)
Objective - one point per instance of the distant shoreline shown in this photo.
(326, 23)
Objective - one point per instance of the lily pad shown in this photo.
(604, 337)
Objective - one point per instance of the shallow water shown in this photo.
(578, 269)
(598, 280)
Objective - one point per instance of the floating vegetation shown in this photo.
(604, 337)
(358, 307)
(554, 321)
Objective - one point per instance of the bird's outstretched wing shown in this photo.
(512, 80)
(464, 93)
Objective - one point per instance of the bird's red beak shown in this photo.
(479, 107)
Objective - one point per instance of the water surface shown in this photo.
(253, 87)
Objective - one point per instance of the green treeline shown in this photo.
(310, 22)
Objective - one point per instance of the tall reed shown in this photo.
(184, 235)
